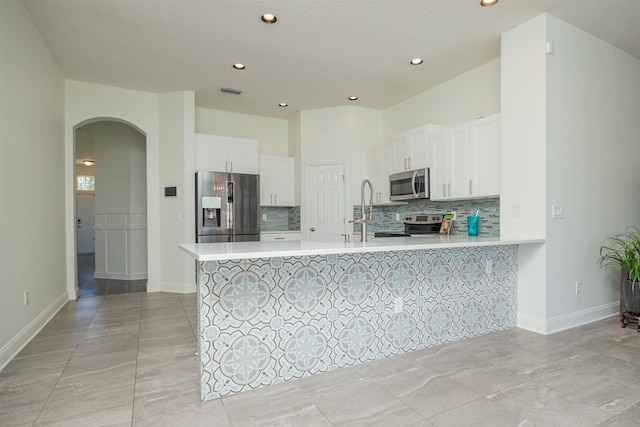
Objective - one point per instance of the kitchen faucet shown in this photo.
(363, 218)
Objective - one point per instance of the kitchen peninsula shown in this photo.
(275, 311)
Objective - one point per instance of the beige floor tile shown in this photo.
(447, 359)
(364, 403)
(593, 390)
(52, 344)
(429, 393)
(84, 393)
(112, 417)
(628, 351)
(21, 405)
(178, 410)
(487, 379)
(35, 368)
(130, 359)
(99, 362)
(623, 372)
(108, 343)
(480, 413)
(281, 404)
(548, 407)
(171, 375)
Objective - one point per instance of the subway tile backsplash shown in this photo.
(384, 217)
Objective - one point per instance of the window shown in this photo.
(85, 183)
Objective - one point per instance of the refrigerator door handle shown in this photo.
(230, 195)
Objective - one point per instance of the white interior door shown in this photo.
(85, 233)
(325, 202)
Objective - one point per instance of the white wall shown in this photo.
(295, 136)
(593, 102)
(272, 134)
(468, 96)
(570, 133)
(86, 103)
(524, 161)
(120, 201)
(32, 181)
(120, 167)
(177, 166)
(339, 135)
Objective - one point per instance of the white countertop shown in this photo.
(245, 250)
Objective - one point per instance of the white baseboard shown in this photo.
(533, 324)
(178, 288)
(582, 317)
(569, 320)
(17, 343)
(117, 276)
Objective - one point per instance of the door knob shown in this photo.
(312, 229)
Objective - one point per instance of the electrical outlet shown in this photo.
(264, 217)
(578, 287)
(398, 305)
(489, 266)
(26, 298)
(398, 217)
(455, 215)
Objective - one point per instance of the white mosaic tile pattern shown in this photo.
(266, 321)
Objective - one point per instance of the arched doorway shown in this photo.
(110, 200)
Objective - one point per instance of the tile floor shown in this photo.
(129, 359)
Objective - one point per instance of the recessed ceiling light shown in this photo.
(88, 162)
(283, 104)
(352, 98)
(416, 61)
(269, 18)
(487, 3)
(239, 66)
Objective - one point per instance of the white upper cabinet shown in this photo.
(401, 156)
(465, 160)
(439, 173)
(484, 156)
(411, 149)
(450, 162)
(379, 167)
(226, 154)
(277, 184)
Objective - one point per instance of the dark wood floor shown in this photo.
(88, 286)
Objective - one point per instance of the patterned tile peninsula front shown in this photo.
(265, 321)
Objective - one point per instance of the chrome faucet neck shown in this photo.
(363, 217)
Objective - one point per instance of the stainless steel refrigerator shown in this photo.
(227, 207)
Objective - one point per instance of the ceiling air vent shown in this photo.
(231, 90)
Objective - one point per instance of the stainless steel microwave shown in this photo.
(409, 185)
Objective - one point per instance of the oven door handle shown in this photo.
(414, 181)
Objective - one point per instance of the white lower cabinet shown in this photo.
(277, 181)
(273, 237)
(465, 160)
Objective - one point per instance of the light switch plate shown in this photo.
(517, 211)
(557, 212)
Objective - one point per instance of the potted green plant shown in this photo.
(623, 250)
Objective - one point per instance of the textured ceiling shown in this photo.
(318, 53)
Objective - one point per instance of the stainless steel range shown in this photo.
(416, 225)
